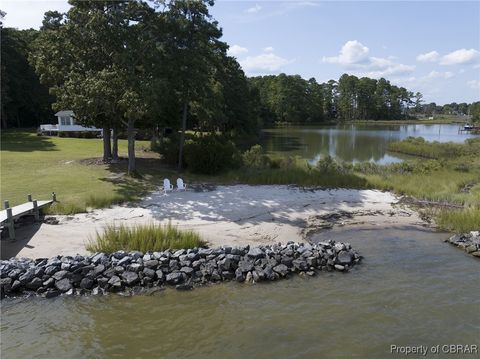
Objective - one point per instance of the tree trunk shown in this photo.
(107, 151)
(115, 145)
(131, 147)
(182, 135)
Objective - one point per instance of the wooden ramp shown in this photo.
(9, 214)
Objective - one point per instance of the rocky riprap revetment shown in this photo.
(469, 242)
(131, 272)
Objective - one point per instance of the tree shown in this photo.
(193, 48)
(475, 111)
(25, 101)
(96, 59)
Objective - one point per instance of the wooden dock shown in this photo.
(9, 214)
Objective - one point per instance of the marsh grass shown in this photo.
(417, 146)
(458, 220)
(143, 237)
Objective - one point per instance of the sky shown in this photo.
(427, 46)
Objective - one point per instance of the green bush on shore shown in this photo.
(146, 237)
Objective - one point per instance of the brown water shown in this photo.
(411, 289)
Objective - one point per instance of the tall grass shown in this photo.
(149, 237)
(459, 220)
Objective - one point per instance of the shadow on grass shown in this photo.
(23, 141)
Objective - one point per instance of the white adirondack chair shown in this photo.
(167, 186)
(181, 185)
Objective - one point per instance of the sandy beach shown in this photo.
(233, 215)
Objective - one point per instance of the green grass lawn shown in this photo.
(41, 165)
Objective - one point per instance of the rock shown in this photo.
(115, 282)
(130, 278)
(476, 254)
(225, 264)
(119, 269)
(86, 283)
(99, 269)
(153, 263)
(6, 283)
(239, 277)
(255, 253)
(287, 260)
(135, 267)
(471, 248)
(14, 274)
(245, 266)
(150, 273)
(52, 293)
(63, 285)
(178, 253)
(300, 264)
(34, 284)
(26, 277)
(124, 261)
(160, 275)
(60, 275)
(119, 255)
(103, 282)
(50, 282)
(174, 278)
(339, 267)
(281, 269)
(16, 285)
(187, 270)
(249, 277)
(344, 257)
(98, 258)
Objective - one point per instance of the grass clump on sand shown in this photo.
(147, 237)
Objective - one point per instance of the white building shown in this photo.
(66, 123)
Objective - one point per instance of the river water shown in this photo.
(354, 142)
(411, 289)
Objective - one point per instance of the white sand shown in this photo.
(234, 215)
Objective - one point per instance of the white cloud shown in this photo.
(439, 75)
(236, 50)
(391, 70)
(352, 52)
(474, 84)
(264, 63)
(458, 57)
(268, 49)
(254, 9)
(431, 56)
(355, 56)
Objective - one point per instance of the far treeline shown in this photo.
(130, 66)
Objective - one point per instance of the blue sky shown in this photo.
(427, 46)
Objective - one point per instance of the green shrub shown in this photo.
(211, 154)
(168, 148)
(150, 237)
(329, 165)
(255, 158)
